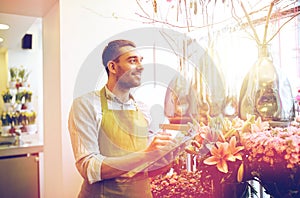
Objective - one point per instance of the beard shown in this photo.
(129, 80)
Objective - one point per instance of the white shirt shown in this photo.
(84, 127)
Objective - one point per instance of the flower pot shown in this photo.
(31, 128)
(24, 84)
(12, 84)
(18, 107)
(5, 130)
(7, 107)
(29, 105)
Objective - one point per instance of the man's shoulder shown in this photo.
(88, 97)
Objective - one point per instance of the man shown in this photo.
(109, 130)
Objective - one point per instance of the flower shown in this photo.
(223, 152)
(23, 74)
(7, 96)
(27, 95)
(236, 152)
(5, 119)
(220, 155)
(13, 71)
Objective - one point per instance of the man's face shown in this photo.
(129, 69)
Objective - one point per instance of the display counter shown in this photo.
(20, 167)
(27, 144)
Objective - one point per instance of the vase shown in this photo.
(214, 78)
(231, 104)
(226, 185)
(266, 92)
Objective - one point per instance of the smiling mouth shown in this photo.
(138, 75)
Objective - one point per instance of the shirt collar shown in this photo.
(111, 96)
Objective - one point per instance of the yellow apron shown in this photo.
(122, 132)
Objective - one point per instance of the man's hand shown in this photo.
(161, 142)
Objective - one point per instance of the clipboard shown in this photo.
(183, 142)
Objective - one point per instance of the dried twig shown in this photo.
(282, 26)
(250, 24)
(186, 15)
(267, 23)
(141, 7)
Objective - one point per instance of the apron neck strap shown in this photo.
(103, 99)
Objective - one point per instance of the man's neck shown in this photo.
(121, 93)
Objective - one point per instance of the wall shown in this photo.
(32, 60)
(3, 74)
(83, 27)
(53, 145)
(73, 29)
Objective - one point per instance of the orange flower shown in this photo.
(234, 150)
(223, 152)
(220, 155)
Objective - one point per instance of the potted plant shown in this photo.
(28, 100)
(13, 71)
(19, 98)
(30, 118)
(235, 154)
(23, 75)
(7, 96)
(7, 99)
(6, 123)
(28, 95)
(16, 120)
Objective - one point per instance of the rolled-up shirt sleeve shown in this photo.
(84, 126)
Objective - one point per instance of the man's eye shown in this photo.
(132, 61)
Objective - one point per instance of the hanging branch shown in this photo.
(267, 23)
(282, 26)
(186, 15)
(140, 6)
(250, 24)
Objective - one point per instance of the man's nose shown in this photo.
(139, 65)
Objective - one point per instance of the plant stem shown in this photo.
(267, 23)
(251, 25)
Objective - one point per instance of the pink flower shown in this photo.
(209, 135)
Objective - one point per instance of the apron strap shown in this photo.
(103, 100)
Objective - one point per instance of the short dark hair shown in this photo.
(112, 49)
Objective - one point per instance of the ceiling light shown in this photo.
(4, 26)
(1, 40)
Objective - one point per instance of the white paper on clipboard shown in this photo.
(182, 143)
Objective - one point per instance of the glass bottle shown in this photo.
(265, 91)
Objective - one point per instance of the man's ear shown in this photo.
(111, 67)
